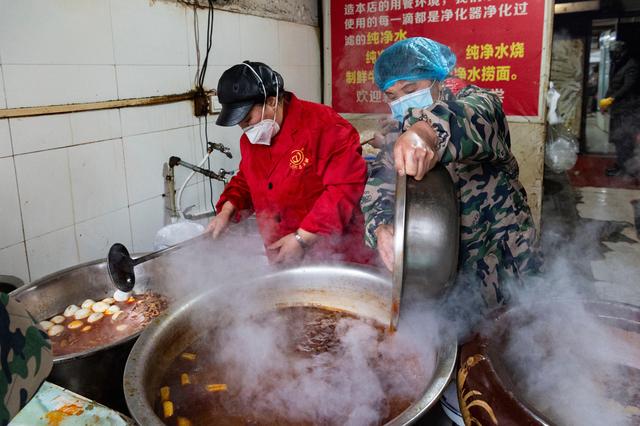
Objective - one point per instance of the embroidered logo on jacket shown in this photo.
(298, 160)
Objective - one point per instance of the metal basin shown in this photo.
(493, 391)
(426, 237)
(50, 295)
(357, 290)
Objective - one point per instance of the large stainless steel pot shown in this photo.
(92, 373)
(490, 388)
(97, 373)
(358, 290)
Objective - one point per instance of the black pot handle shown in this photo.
(8, 283)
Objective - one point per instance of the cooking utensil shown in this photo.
(121, 265)
(77, 372)
(8, 283)
(361, 291)
(493, 386)
(50, 295)
(426, 237)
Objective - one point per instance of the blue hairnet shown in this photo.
(416, 58)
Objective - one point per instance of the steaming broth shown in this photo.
(201, 386)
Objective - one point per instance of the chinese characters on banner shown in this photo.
(498, 44)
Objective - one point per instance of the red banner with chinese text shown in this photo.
(498, 44)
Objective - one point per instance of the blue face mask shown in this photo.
(418, 99)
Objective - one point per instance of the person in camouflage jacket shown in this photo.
(467, 133)
(25, 357)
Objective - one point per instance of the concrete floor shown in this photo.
(597, 140)
(594, 230)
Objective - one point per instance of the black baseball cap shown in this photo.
(239, 89)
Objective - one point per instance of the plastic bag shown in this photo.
(176, 233)
(561, 151)
(552, 103)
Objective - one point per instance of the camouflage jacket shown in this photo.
(25, 357)
(497, 232)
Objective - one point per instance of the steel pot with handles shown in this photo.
(357, 290)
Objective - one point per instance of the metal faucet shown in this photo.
(223, 173)
(219, 147)
(222, 176)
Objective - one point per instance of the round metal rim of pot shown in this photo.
(22, 292)
(50, 295)
(495, 400)
(354, 289)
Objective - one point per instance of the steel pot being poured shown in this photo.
(359, 292)
(426, 238)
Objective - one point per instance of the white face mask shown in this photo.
(263, 131)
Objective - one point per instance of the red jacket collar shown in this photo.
(281, 144)
(292, 116)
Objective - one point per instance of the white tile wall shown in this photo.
(144, 158)
(148, 119)
(3, 103)
(13, 261)
(86, 180)
(90, 126)
(315, 46)
(213, 74)
(98, 181)
(259, 39)
(147, 218)
(30, 134)
(193, 195)
(35, 85)
(43, 32)
(158, 39)
(11, 221)
(44, 186)
(226, 33)
(139, 81)
(96, 236)
(294, 44)
(304, 81)
(5, 139)
(51, 252)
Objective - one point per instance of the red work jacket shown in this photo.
(312, 176)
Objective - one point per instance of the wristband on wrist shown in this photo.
(301, 241)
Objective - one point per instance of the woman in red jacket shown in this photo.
(301, 171)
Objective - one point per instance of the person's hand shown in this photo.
(388, 133)
(605, 103)
(219, 223)
(288, 250)
(384, 234)
(415, 151)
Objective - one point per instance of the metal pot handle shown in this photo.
(8, 283)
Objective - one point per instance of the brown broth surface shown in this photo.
(138, 311)
(311, 333)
